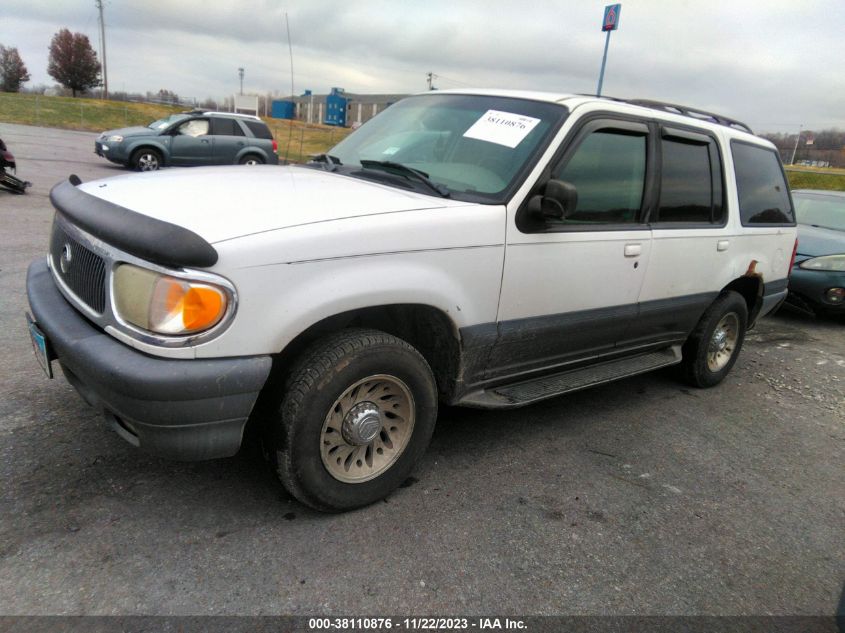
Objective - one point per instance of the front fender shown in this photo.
(162, 145)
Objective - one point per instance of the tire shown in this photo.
(146, 159)
(714, 345)
(251, 159)
(357, 413)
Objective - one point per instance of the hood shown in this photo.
(221, 203)
(130, 131)
(815, 241)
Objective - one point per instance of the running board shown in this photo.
(519, 394)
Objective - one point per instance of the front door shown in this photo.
(570, 286)
(191, 144)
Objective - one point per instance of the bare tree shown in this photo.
(12, 70)
(73, 63)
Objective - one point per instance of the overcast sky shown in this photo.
(775, 64)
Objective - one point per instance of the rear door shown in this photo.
(229, 139)
(570, 286)
(691, 245)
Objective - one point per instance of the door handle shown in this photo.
(722, 245)
(633, 250)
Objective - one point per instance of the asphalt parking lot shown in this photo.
(640, 497)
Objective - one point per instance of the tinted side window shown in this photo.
(686, 182)
(259, 129)
(762, 190)
(608, 171)
(226, 127)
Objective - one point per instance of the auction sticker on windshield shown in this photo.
(502, 128)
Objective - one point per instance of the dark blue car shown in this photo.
(817, 283)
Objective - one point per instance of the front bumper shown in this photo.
(180, 409)
(808, 288)
(114, 153)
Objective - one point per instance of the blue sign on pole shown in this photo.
(611, 17)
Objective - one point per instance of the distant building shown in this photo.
(360, 108)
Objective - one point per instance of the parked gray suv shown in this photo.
(191, 138)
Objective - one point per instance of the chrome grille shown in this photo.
(81, 270)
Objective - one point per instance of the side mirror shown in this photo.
(557, 202)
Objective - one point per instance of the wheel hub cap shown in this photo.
(723, 342)
(367, 428)
(720, 340)
(361, 424)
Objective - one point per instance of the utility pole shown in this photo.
(99, 4)
(241, 75)
(429, 78)
(795, 149)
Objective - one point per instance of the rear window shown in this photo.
(259, 129)
(761, 186)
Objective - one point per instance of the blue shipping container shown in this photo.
(283, 109)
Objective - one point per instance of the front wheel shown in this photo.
(357, 414)
(146, 160)
(713, 347)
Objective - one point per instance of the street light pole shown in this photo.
(603, 63)
(609, 23)
(241, 75)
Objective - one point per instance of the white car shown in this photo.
(479, 248)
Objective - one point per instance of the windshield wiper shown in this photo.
(409, 172)
(326, 161)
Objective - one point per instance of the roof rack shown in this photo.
(238, 114)
(701, 115)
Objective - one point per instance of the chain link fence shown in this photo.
(81, 114)
(299, 141)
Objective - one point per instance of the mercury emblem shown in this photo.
(65, 259)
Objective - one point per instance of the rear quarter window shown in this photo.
(761, 186)
(259, 129)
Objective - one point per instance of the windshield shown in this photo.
(473, 146)
(820, 210)
(166, 122)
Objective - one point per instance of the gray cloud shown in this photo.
(774, 63)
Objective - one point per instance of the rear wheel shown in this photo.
(251, 159)
(146, 160)
(713, 347)
(357, 414)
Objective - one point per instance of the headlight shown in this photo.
(167, 305)
(116, 138)
(828, 262)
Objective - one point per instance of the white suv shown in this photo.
(487, 249)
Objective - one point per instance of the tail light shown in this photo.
(792, 260)
(275, 147)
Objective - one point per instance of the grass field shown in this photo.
(816, 178)
(297, 140)
(93, 115)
